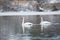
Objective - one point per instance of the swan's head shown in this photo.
(28, 24)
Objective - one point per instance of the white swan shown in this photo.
(44, 24)
(27, 24)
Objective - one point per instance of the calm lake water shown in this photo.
(11, 29)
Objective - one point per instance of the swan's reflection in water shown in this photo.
(19, 36)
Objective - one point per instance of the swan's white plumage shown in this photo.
(45, 23)
(28, 24)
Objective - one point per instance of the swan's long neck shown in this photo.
(41, 19)
(42, 25)
(23, 25)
